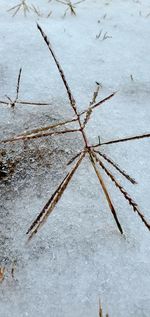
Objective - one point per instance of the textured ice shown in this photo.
(78, 256)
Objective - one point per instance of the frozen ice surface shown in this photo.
(78, 256)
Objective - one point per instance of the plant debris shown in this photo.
(90, 151)
(2, 271)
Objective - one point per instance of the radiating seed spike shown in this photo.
(106, 193)
(48, 208)
(116, 166)
(70, 96)
(124, 192)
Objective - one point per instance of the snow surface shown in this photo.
(78, 256)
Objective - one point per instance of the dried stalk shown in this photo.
(48, 208)
(131, 202)
(52, 126)
(90, 149)
(91, 155)
(116, 166)
(18, 86)
(95, 94)
(74, 158)
(37, 135)
(12, 103)
(99, 103)
(18, 7)
(70, 96)
(136, 137)
(71, 6)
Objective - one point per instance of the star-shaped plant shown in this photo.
(93, 152)
(25, 8)
(70, 6)
(12, 102)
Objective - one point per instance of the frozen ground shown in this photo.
(78, 256)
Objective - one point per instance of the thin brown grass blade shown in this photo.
(50, 205)
(136, 137)
(37, 135)
(74, 158)
(32, 103)
(91, 154)
(52, 126)
(131, 202)
(95, 94)
(26, 103)
(116, 166)
(4, 103)
(100, 310)
(70, 96)
(99, 103)
(18, 84)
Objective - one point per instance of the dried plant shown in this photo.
(12, 102)
(26, 8)
(103, 36)
(70, 6)
(101, 311)
(91, 151)
(2, 271)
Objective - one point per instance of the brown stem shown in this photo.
(69, 93)
(123, 191)
(136, 137)
(91, 154)
(115, 165)
(37, 135)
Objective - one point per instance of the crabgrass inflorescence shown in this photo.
(93, 152)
